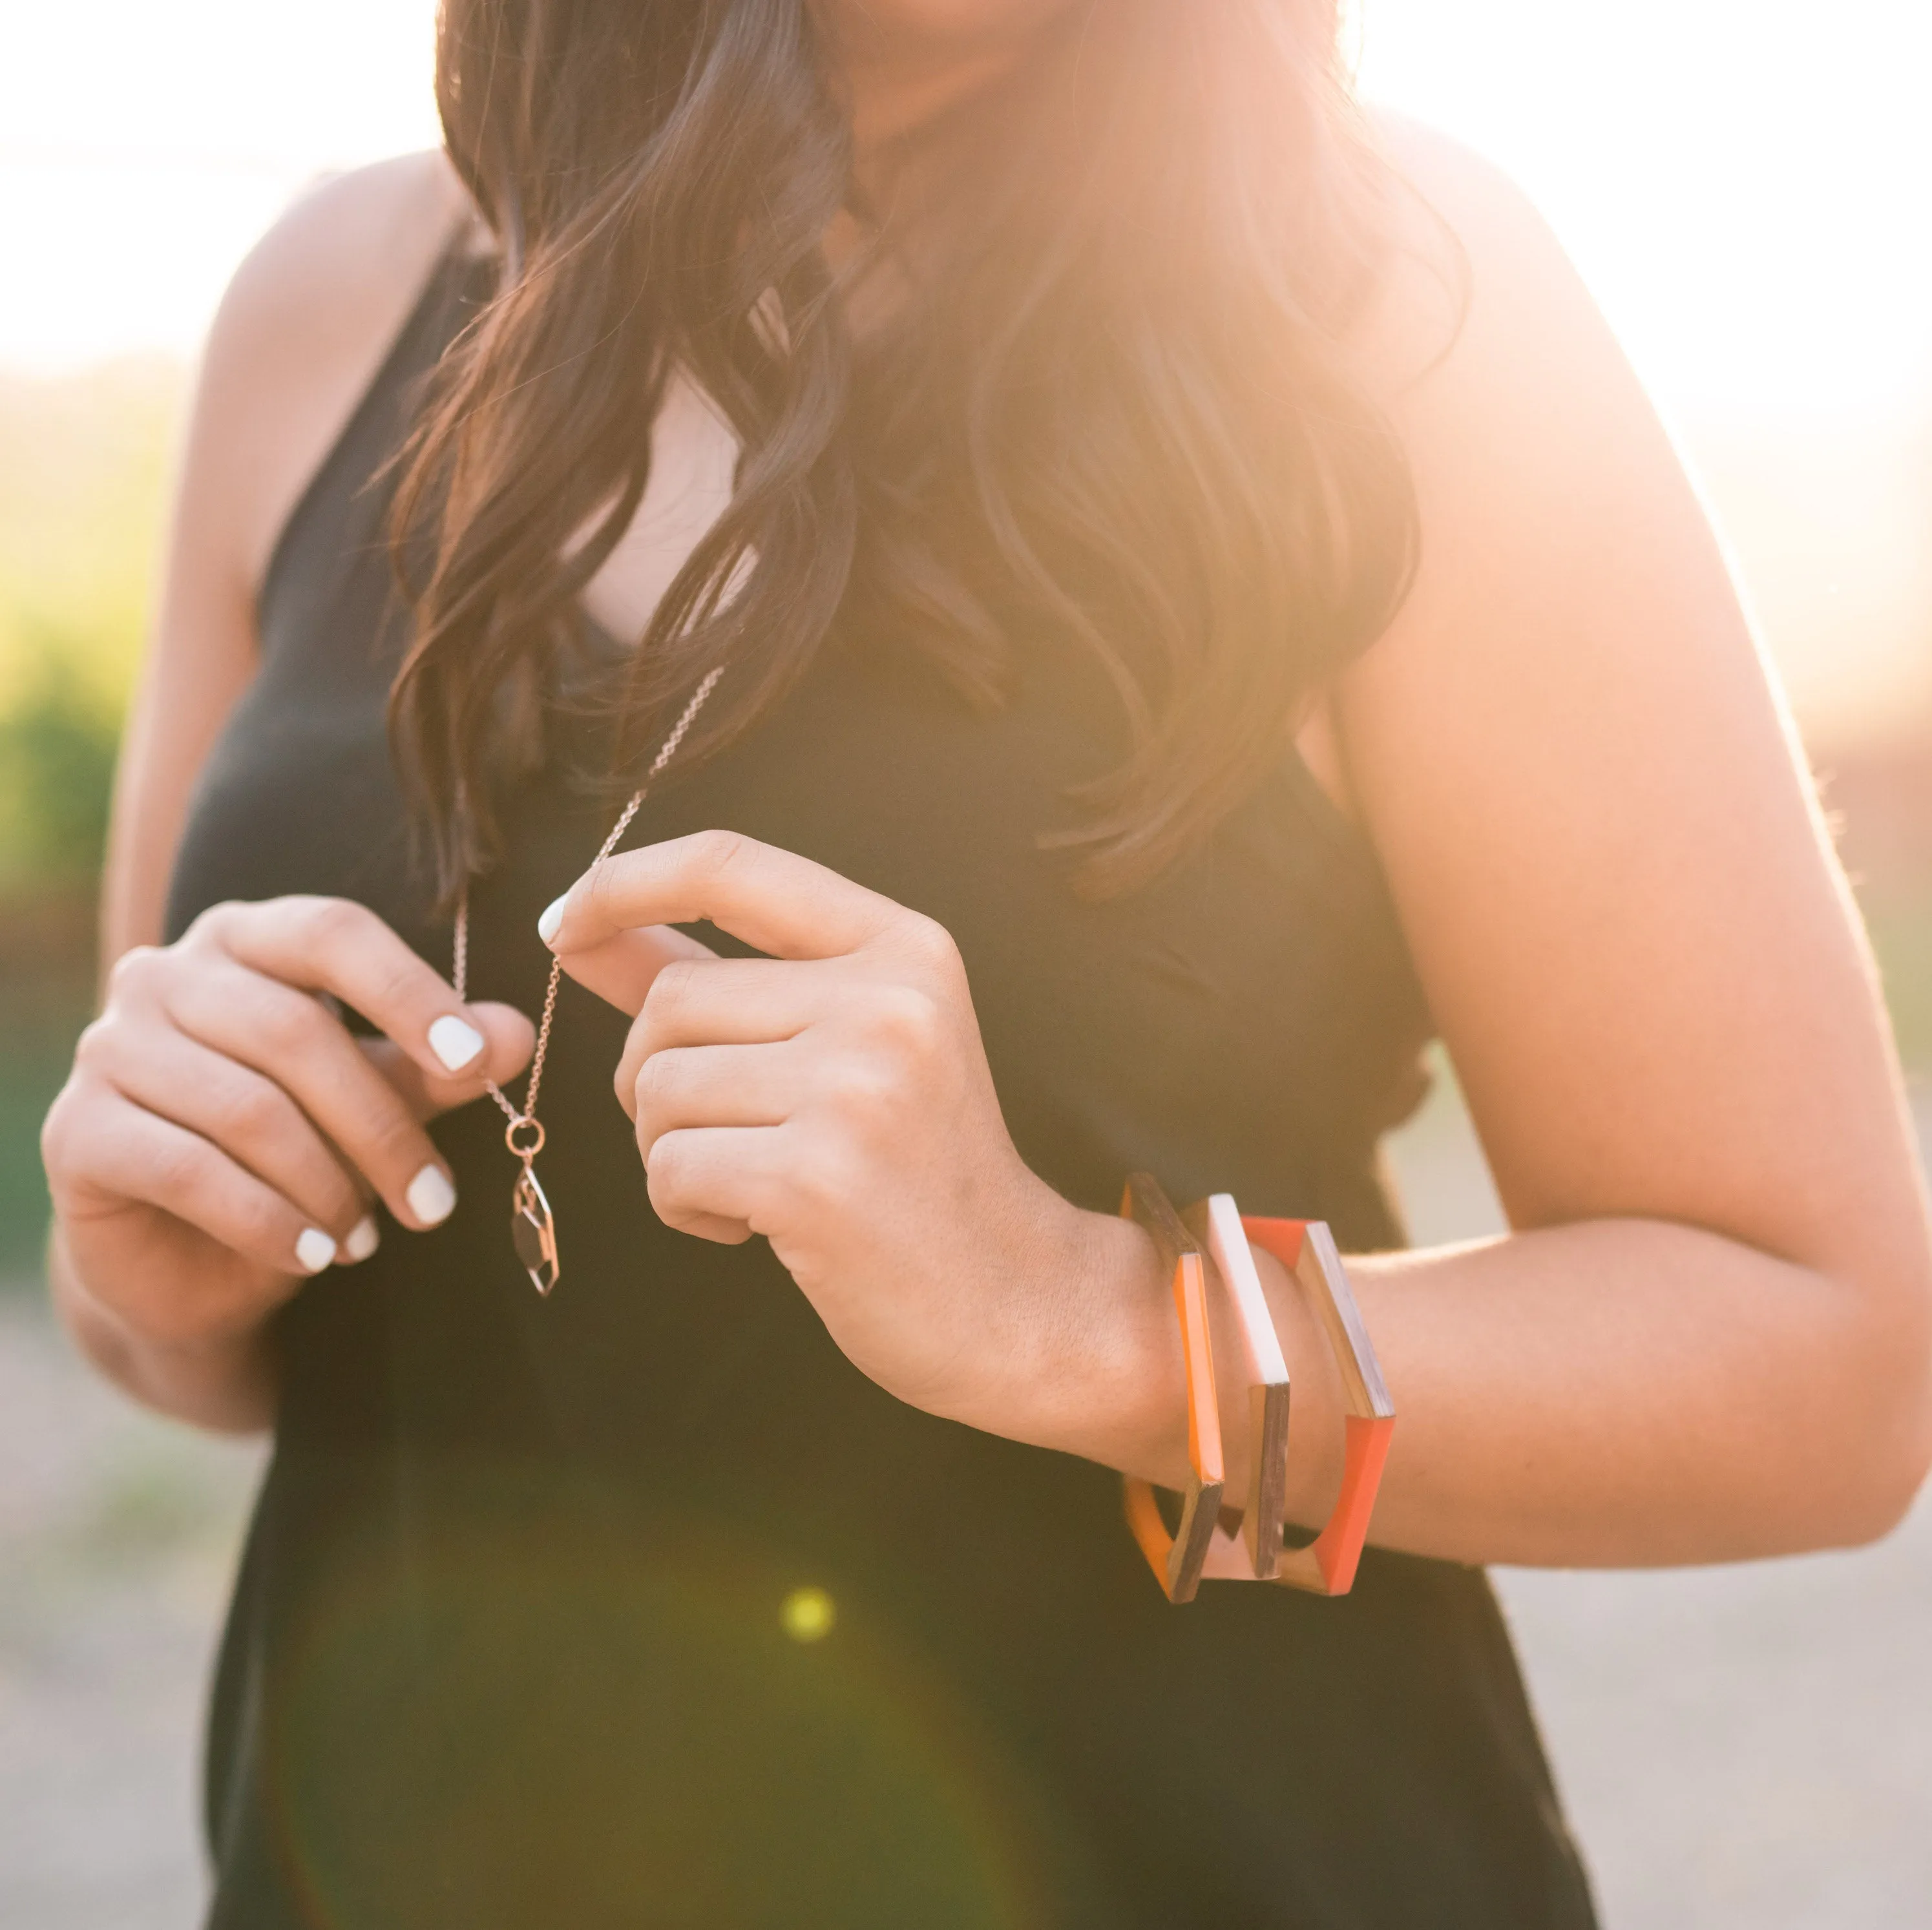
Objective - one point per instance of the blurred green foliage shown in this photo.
(57, 738)
(1898, 915)
(84, 463)
(83, 466)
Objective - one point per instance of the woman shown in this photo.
(1233, 610)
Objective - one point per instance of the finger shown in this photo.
(513, 1039)
(730, 1002)
(704, 1179)
(714, 1086)
(774, 899)
(710, 1226)
(622, 970)
(129, 1153)
(250, 1117)
(336, 946)
(290, 1037)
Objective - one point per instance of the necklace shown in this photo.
(532, 1224)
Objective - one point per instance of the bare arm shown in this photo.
(297, 338)
(1708, 1336)
(295, 341)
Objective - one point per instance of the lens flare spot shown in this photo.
(807, 1614)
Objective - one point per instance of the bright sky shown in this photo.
(1747, 183)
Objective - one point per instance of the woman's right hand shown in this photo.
(223, 1133)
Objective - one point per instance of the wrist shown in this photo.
(224, 1380)
(1109, 1383)
(1107, 1380)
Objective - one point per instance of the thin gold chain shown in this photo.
(527, 1114)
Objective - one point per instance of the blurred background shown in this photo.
(1746, 185)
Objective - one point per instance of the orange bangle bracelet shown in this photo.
(1177, 1559)
(1215, 1222)
(1213, 1237)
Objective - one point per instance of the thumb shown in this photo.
(620, 969)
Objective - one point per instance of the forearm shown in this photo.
(226, 1386)
(1631, 1392)
(1612, 1393)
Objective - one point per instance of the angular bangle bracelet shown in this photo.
(1176, 1560)
(1215, 1222)
(1327, 1565)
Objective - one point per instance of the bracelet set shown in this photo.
(1208, 1248)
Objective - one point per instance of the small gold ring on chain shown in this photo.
(522, 1122)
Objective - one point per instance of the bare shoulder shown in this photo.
(1481, 308)
(1491, 362)
(1470, 191)
(303, 327)
(1540, 464)
(305, 324)
(1564, 553)
(342, 252)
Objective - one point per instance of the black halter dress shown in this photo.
(518, 1637)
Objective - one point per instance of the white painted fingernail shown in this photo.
(455, 1041)
(431, 1196)
(314, 1250)
(363, 1240)
(552, 920)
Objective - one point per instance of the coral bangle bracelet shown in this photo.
(1210, 1242)
(1178, 1558)
(1307, 1249)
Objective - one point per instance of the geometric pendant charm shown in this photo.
(533, 1231)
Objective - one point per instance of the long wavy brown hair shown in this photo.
(1087, 371)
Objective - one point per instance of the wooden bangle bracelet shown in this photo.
(1215, 1222)
(1177, 1559)
(1327, 1565)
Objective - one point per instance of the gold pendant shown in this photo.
(533, 1231)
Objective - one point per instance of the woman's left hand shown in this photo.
(835, 1098)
